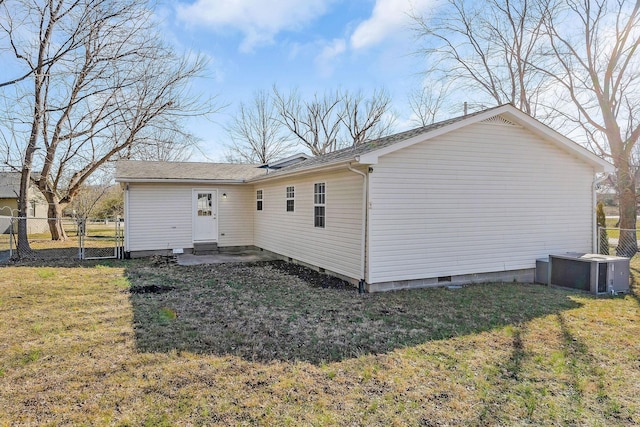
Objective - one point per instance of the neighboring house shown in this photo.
(471, 199)
(9, 195)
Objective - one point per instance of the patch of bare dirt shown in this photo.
(151, 289)
(312, 277)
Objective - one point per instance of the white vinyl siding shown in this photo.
(335, 247)
(235, 215)
(484, 198)
(160, 216)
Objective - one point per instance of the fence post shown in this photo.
(11, 238)
(81, 231)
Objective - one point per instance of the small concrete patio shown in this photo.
(249, 255)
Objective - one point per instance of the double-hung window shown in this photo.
(290, 199)
(259, 200)
(319, 198)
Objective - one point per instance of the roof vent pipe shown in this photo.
(465, 108)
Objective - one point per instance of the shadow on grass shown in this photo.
(512, 384)
(260, 313)
(53, 257)
(56, 257)
(69, 262)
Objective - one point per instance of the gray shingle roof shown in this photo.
(9, 185)
(134, 170)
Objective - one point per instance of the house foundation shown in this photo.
(521, 276)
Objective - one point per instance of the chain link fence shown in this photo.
(53, 238)
(5, 238)
(101, 239)
(619, 242)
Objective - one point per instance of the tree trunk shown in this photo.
(22, 244)
(628, 243)
(54, 215)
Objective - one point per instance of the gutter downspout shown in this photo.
(363, 235)
(596, 182)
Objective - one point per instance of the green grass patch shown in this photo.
(140, 344)
(166, 315)
(46, 273)
(30, 357)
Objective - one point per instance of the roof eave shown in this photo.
(180, 180)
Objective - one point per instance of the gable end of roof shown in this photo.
(503, 115)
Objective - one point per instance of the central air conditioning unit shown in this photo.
(598, 274)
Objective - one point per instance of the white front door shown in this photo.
(205, 216)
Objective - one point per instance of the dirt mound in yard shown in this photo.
(313, 277)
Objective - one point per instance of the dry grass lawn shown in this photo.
(138, 343)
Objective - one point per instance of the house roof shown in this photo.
(368, 152)
(144, 171)
(9, 185)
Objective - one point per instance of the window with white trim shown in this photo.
(290, 199)
(319, 197)
(259, 200)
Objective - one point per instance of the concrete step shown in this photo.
(205, 248)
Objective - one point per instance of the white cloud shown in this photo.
(327, 58)
(388, 17)
(258, 20)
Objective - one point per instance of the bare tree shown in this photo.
(366, 118)
(164, 145)
(256, 133)
(596, 46)
(334, 120)
(314, 123)
(93, 81)
(426, 103)
(488, 47)
(98, 197)
(88, 197)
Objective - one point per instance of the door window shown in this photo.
(204, 204)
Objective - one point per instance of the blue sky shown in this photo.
(312, 45)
